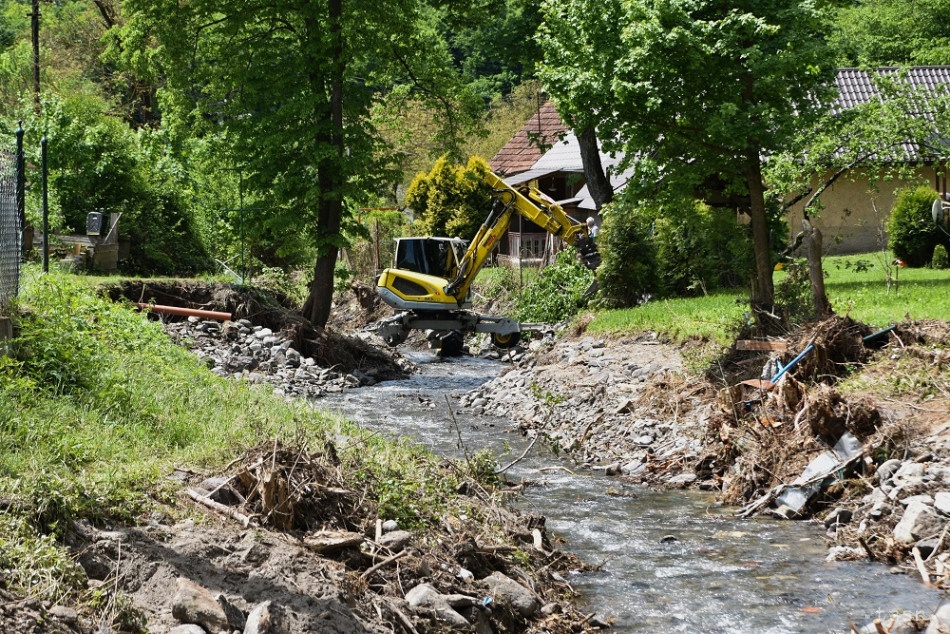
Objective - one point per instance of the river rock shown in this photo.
(194, 604)
(940, 621)
(395, 540)
(942, 502)
(426, 597)
(838, 517)
(266, 618)
(900, 623)
(682, 480)
(886, 470)
(918, 521)
(507, 590)
(908, 478)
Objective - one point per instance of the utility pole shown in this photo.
(35, 20)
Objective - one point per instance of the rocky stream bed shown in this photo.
(873, 469)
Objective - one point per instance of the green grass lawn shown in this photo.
(856, 285)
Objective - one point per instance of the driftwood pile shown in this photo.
(770, 432)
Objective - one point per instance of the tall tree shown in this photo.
(892, 33)
(694, 92)
(287, 86)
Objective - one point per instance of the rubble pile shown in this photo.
(622, 406)
(290, 546)
(261, 355)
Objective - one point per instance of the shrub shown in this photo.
(940, 260)
(628, 272)
(700, 248)
(912, 234)
(450, 200)
(558, 293)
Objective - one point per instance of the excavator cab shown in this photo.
(430, 284)
(432, 256)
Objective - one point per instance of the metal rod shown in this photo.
(21, 190)
(184, 312)
(43, 146)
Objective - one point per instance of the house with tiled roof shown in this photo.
(855, 210)
(545, 154)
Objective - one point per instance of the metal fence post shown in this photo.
(45, 208)
(21, 188)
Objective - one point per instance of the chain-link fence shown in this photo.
(10, 235)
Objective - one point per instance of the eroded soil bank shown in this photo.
(285, 539)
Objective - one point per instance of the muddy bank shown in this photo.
(854, 435)
(285, 541)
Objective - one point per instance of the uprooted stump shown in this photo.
(838, 347)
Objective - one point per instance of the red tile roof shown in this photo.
(536, 137)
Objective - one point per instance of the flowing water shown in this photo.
(669, 561)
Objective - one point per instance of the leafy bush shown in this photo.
(450, 200)
(628, 271)
(912, 234)
(940, 259)
(96, 163)
(558, 293)
(700, 248)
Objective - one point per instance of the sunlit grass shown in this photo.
(857, 285)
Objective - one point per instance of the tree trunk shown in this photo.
(329, 178)
(816, 273)
(597, 182)
(763, 291)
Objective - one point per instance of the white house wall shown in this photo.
(854, 214)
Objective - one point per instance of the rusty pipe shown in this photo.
(184, 312)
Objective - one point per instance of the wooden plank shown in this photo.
(760, 345)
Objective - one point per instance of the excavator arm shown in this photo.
(532, 205)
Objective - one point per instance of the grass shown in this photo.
(97, 407)
(856, 286)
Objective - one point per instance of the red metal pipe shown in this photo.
(184, 312)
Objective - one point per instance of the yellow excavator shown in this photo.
(430, 283)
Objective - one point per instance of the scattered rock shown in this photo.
(196, 605)
(506, 590)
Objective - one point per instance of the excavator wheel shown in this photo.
(506, 341)
(394, 340)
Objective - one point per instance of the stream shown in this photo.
(668, 561)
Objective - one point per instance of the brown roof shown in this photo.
(536, 137)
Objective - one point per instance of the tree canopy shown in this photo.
(893, 33)
(694, 93)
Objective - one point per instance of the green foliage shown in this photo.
(940, 259)
(699, 248)
(96, 163)
(912, 234)
(558, 293)
(96, 438)
(892, 33)
(793, 293)
(450, 200)
(629, 270)
(697, 91)
(35, 564)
